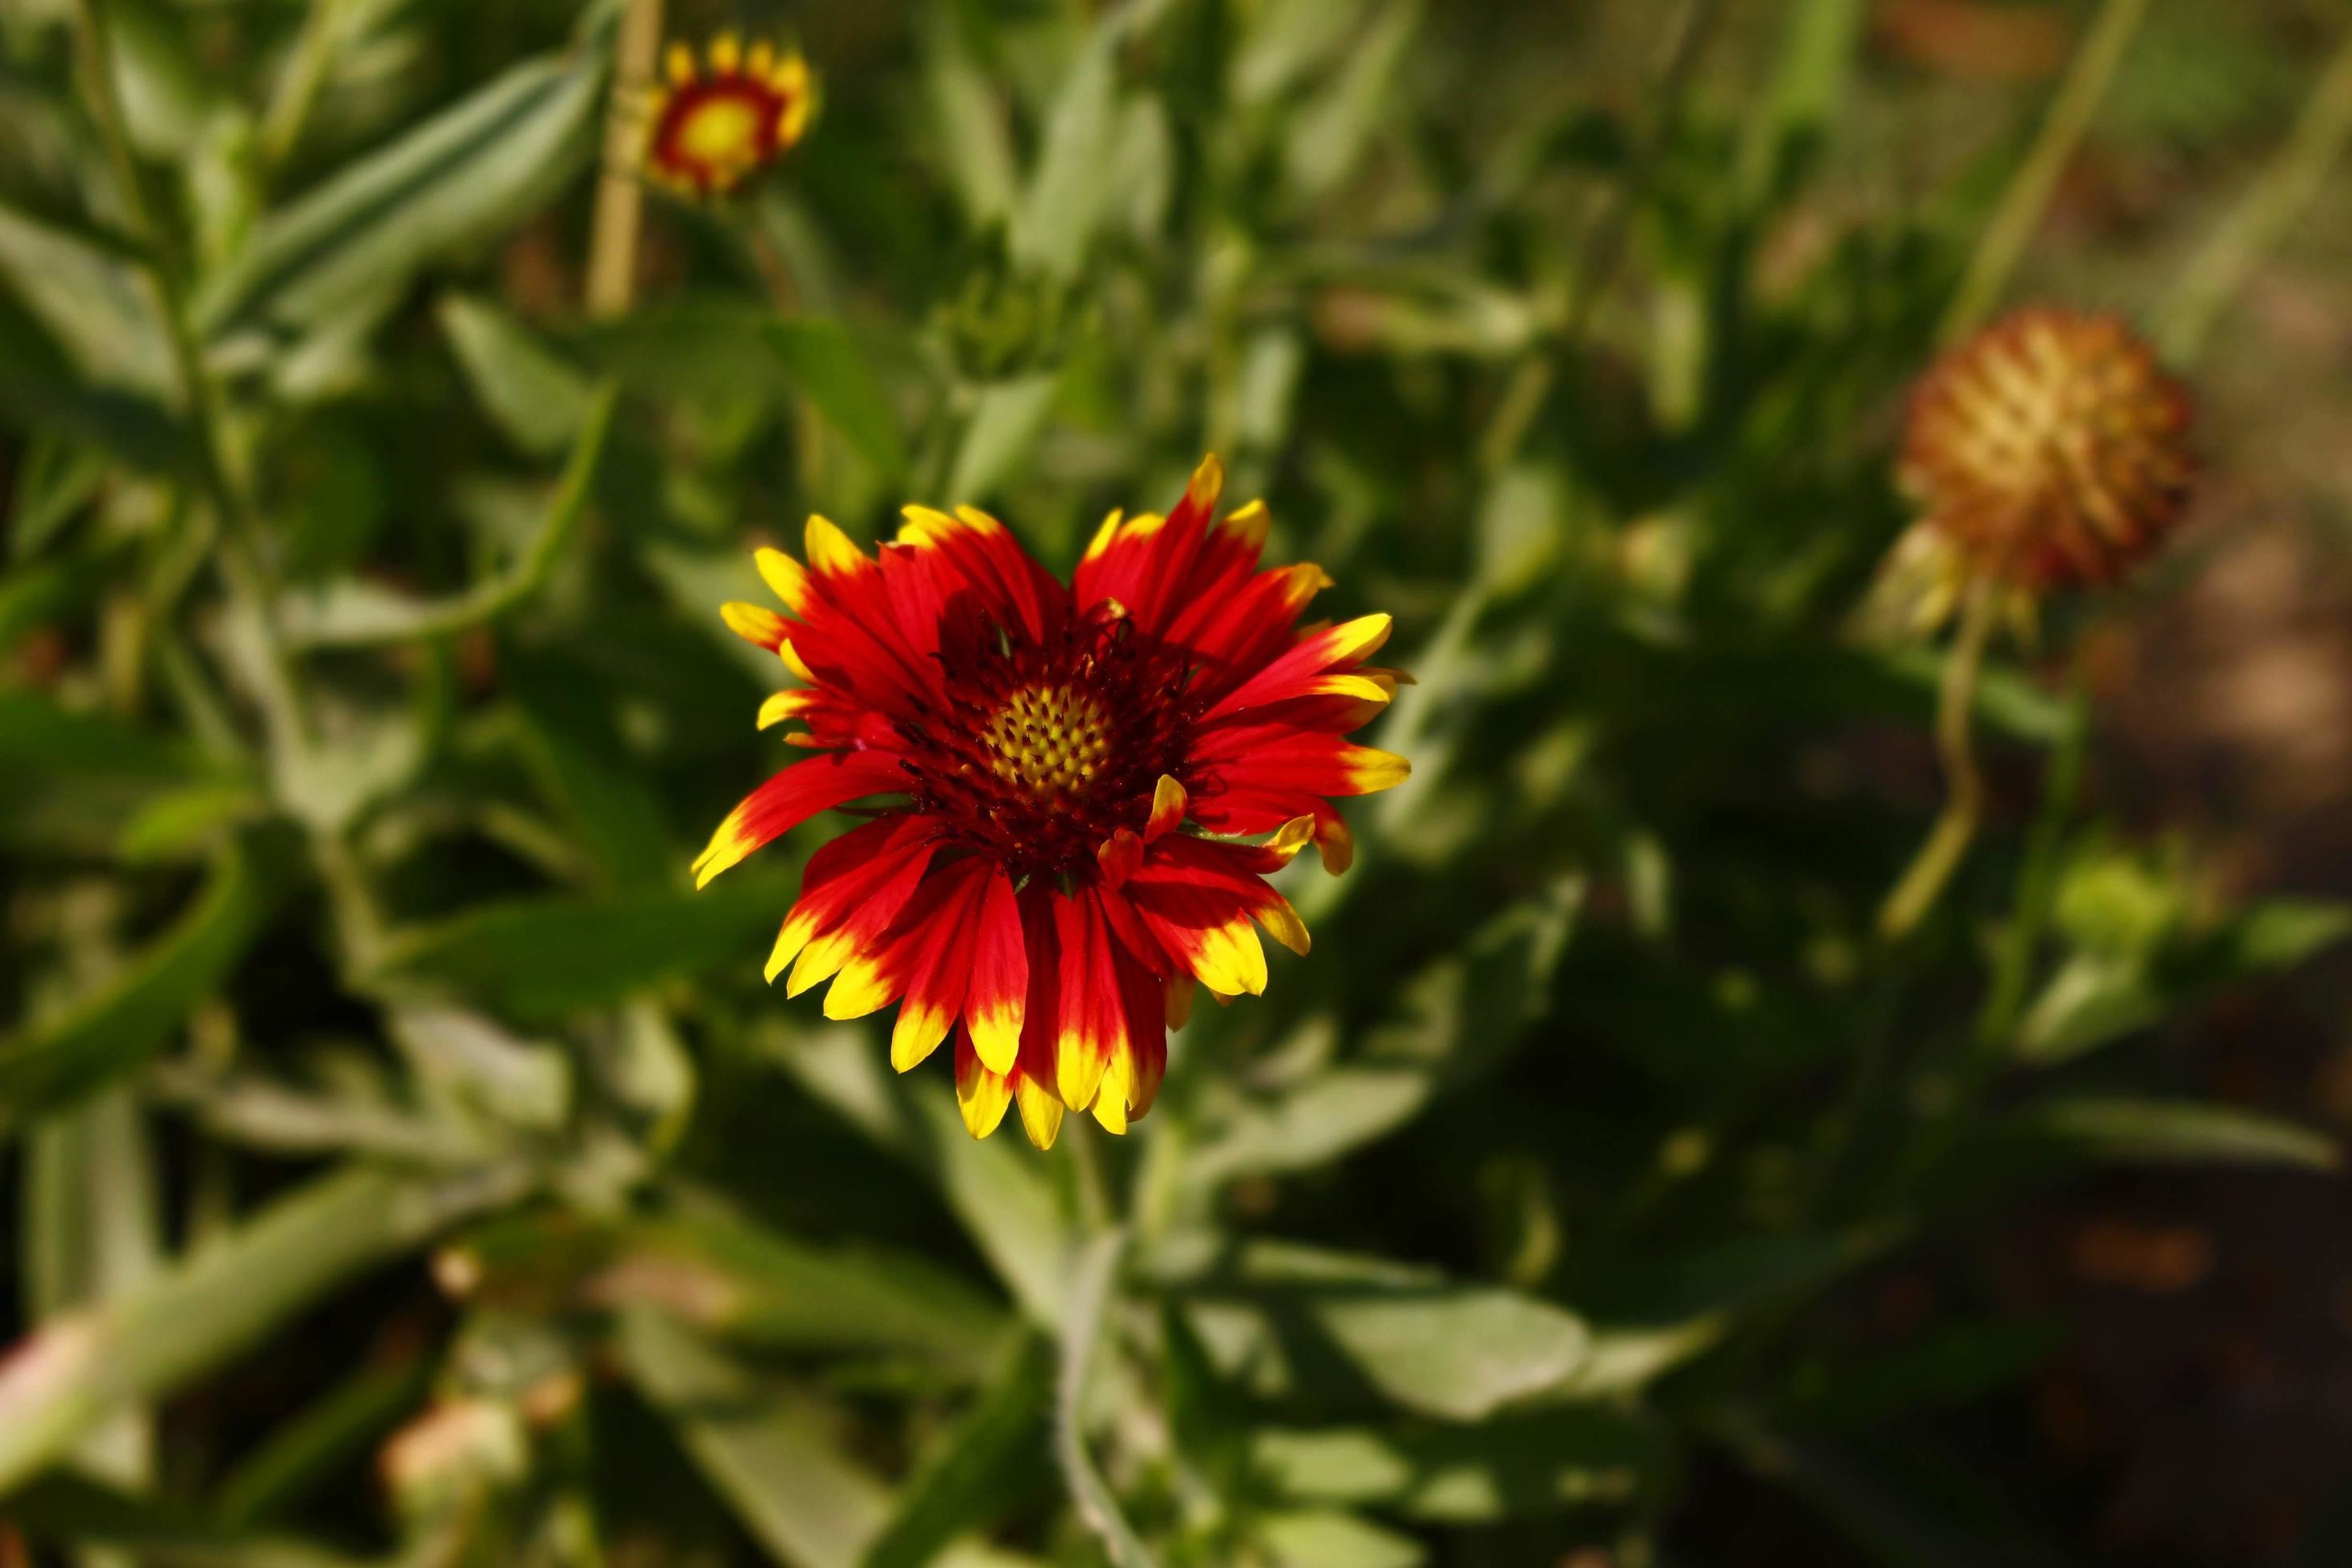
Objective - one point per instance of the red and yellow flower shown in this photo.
(707, 132)
(1077, 774)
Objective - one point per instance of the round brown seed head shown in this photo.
(2050, 449)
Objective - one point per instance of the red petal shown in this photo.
(791, 798)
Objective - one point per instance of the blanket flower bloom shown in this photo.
(1077, 775)
(2048, 451)
(707, 132)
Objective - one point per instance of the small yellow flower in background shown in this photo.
(2049, 451)
(709, 129)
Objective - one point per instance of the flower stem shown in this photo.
(2282, 193)
(620, 198)
(285, 715)
(1093, 1283)
(297, 91)
(1947, 842)
(240, 558)
(1095, 1207)
(2030, 189)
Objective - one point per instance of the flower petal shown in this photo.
(997, 1001)
(1092, 1024)
(790, 798)
(981, 1094)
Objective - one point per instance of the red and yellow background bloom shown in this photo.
(710, 126)
(1090, 784)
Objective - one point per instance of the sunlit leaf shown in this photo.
(542, 958)
(125, 1023)
(832, 374)
(770, 1450)
(459, 179)
(360, 615)
(218, 1303)
(1517, 1465)
(532, 394)
(2162, 1131)
(979, 1467)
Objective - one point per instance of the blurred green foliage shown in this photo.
(408, 1167)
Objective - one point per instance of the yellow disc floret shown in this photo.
(1049, 740)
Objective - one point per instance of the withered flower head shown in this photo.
(2050, 450)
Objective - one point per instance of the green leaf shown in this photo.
(967, 120)
(541, 959)
(1511, 1467)
(41, 392)
(48, 593)
(538, 400)
(1330, 135)
(306, 1450)
(1007, 417)
(69, 1510)
(181, 821)
(569, 740)
(832, 374)
(1010, 1204)
(467, 1069)
(1319, 1539)
(36, 732)
(1894, 1522)
(777, 1291)
(2097, 997)
(216, 1304)
(93, 1231)
(92, 1227)
(471, 173)
(2164, 1131)
(361, 615)
(769, 1451)
(1453, 1350)
(96, 307)
(1058, 213)
(1093, 1284)
(55, 481)
(120, 1026)
(1454, 1019)
(1955, 1365)
(1812, 82)
(981, 1467)
(690, 351)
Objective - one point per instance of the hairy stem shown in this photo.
(2030, 189)
(1947, 842)
(2282, 193)
(620, 196)
(239, 553)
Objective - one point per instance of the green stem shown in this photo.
(1095, 1206)
(1941, 855)
(2282, 193)
(1093, 1283)
(2037, 882)
(298, 88)
(1597, 267)
(285, 716)
(240, 554)
(2030, 189)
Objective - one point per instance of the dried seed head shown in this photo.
(2050, 450)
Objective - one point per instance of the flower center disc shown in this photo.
(1049, 741)
(724, 128)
